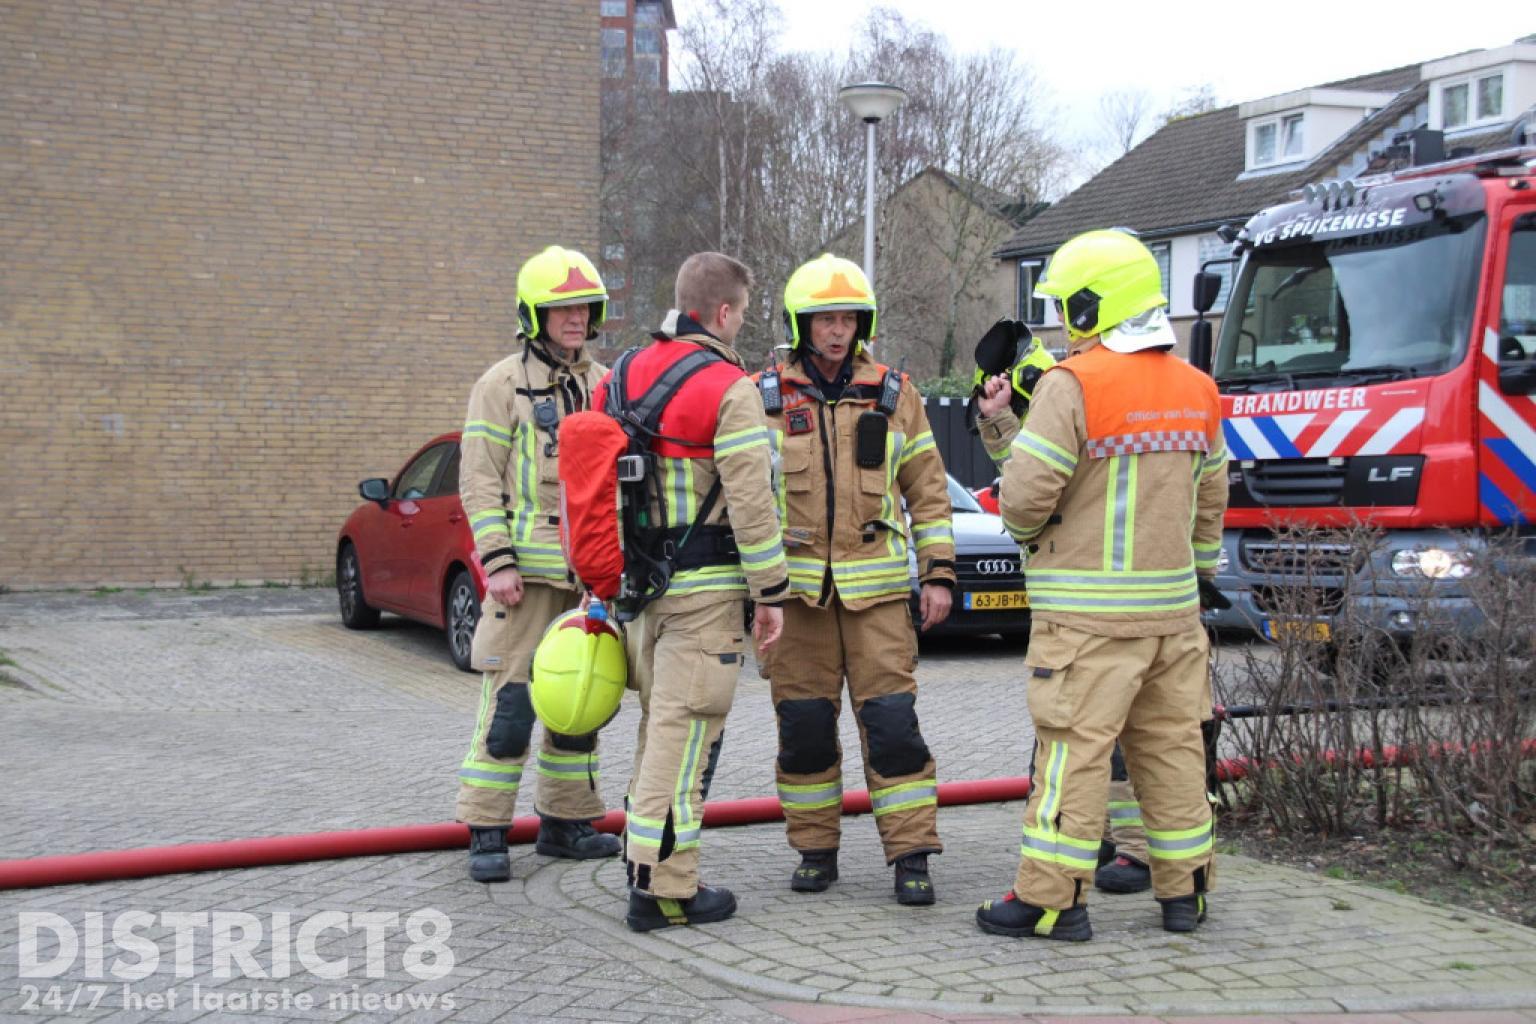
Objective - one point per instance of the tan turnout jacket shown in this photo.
(509, 478)
(1117, 484)
(844, 528)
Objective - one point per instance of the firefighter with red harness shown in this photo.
(713, 528)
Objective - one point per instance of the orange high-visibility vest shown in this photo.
(1145, 402)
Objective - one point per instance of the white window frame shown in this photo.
(1475, 119)
(1024, 304)
(1287, 136)
(1277, 125)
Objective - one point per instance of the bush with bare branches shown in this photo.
(1347, 726)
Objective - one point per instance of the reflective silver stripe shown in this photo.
(1122, 485)
(905, 796)
(1109, 581)
(1067, 602)
(829, 792)
(479, 775)
(1173, 845)
(892, 587)
(772, 554)
(1127, 813)
(645, 831)
(1046, 452)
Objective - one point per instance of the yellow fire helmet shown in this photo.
(1107, 283)
(579, 672)
(825, 284)
(559, 277)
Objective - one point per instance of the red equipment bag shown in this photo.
(591, 532)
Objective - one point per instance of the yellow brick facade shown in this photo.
(253, 251)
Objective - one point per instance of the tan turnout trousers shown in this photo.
(875, 650)
(492, 771)
(1084, 692)
(685, 656)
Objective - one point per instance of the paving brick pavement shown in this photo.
(131, 720)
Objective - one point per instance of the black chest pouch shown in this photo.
(869, 439)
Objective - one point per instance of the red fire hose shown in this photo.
(371, 842)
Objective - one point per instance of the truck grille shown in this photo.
(1274, 558)
(1303, 601)
(1295, 482)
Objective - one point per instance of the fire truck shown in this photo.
(1377, 364)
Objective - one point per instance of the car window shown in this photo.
(448, 483)
(415, 481)
(959, 498)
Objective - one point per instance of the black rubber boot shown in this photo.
(710, 903)
(1013, 917)
(488, 860)
(913, 886)
(816, 873)
(1106, 852)
(1123, 874)
(1183, 914)
(574, 840)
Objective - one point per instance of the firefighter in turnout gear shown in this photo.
(852, 442)
(1117, 485)
(509, 486)
(716, 523)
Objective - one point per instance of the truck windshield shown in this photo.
(1339, 312)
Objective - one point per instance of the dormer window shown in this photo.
(1278, 140)
(1472, 101)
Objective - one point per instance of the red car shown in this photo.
(408, 550)
(986, 497)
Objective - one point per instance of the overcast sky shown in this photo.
(1081, 49)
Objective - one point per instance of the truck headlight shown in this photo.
(1431, 563)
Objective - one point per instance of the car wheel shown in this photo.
(355, 611)
(462, 613)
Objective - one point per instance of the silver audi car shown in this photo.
(990, 595)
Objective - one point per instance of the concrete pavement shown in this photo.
(136, 720)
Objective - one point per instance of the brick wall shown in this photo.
(256, 250)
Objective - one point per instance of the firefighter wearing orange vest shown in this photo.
(686, 648)
(509, 486)
(853, 442)
(1117, 484)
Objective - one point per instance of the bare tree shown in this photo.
(1195, 99)
(1124, 114)
(754, 155)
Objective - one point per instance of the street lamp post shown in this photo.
(871, 102)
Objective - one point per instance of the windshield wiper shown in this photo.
(1386, 371)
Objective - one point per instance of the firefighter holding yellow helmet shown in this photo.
(1117, 484)
(853, 442)
(509, 485)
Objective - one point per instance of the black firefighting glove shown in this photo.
(1211, 597)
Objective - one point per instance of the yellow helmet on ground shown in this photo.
(579, 672)
(559, 277)
(1107, 283)
(825, 284)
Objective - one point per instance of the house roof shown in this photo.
(1187, 175)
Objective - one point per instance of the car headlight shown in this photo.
(1431, 563)
(1223, 561)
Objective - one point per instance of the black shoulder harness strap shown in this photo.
(645, 415)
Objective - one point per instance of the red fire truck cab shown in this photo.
(1377, 363)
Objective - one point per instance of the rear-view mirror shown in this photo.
(374, 489)
(1207, 287)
